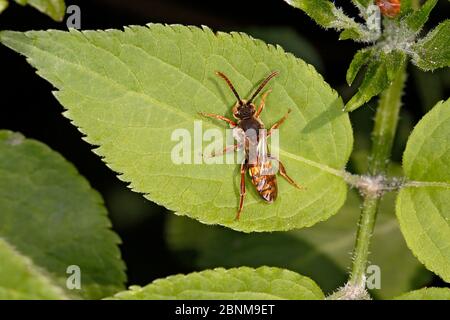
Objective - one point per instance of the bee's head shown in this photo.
(244, 109)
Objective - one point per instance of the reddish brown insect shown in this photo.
(389, 8)
(246, 131)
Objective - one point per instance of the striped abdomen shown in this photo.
(264, 181)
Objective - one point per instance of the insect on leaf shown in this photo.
(423, 209)
(242, 283)
(129, 91)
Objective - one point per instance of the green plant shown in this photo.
(128, 90)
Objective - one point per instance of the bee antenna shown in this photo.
(261, 86)
(223, 76)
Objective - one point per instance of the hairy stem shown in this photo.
(383, 134)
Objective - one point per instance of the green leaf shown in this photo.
(128, 91)
(51, 215)
(3, 5)
(433, 51)
(380, 73)
(327, 15)
(417, 19)
(362, 3)
(408, 5)
(321, 11)
(233, 284)
(321, 252)
(423, 207)
(361, 58)
(21, 279)
(427, 294)
(55, 9)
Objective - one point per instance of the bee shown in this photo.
(247, 131)
(389, 8)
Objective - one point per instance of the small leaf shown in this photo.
(433, 51)
(3, 5)
(233, 284)
(427, 294)
(21, 280)
(417, 19)
(51, 215)
(327, 15)
(380, 73)
(423, 208)
(129, 91)
(55, 9)
(361, 58)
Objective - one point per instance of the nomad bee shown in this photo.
(246, 131)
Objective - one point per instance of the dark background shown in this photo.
(28, 106)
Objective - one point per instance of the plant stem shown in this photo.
(383, 134)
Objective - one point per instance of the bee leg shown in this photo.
(284, 174)
(277, 124)
(225, 150)
(263, 103)
(217, 116)
(242, 191)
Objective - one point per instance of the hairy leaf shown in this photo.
(433, 51)
(53, 8)
(129, 91)
(427, 294)
(327, 15)
(423, 208)
(321, 252)
(381, 71)
(233, 284)
(417, 19)
(20, 279)
(51, 215)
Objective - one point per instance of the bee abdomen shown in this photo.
(266, 185)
